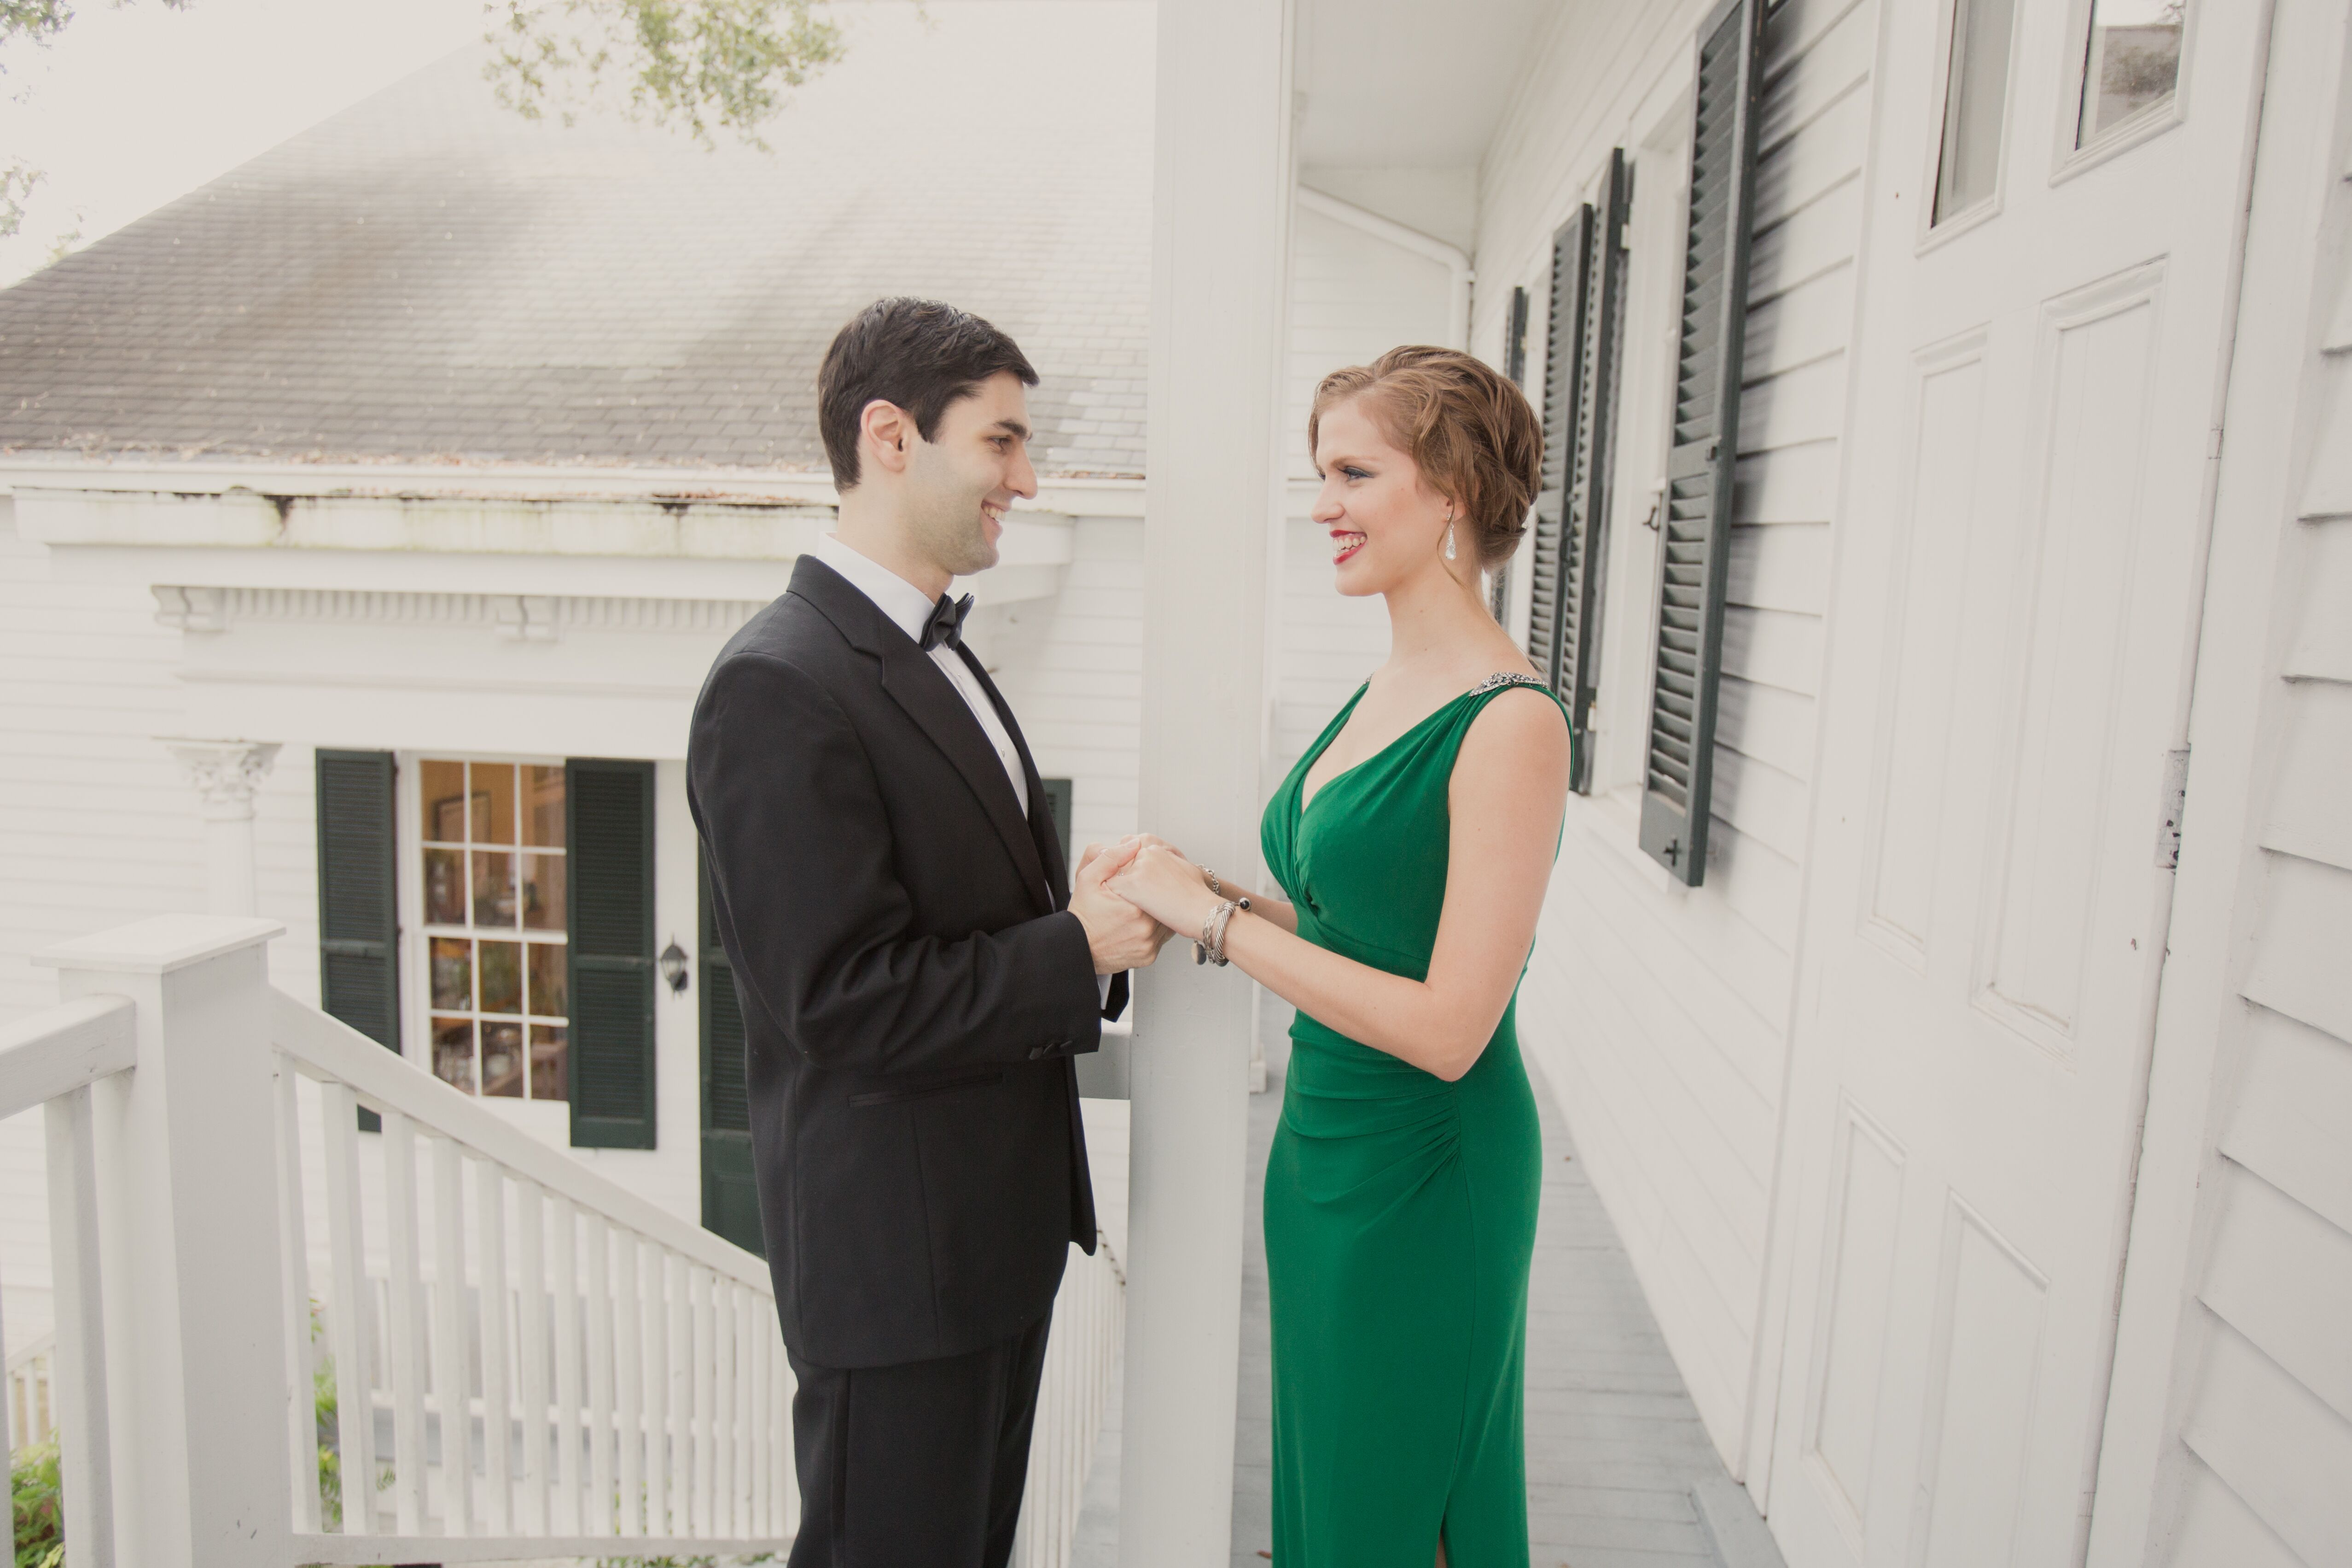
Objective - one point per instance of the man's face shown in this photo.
(958, 487)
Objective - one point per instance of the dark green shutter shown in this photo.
(359, 911)
(1564, 333)
(730, 1191)
(1515, 365)
(1695, 526)
(1584, 531)
(610, 810)
(1058, 798)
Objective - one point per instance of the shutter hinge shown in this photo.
(2175, 800)
(2213, 444)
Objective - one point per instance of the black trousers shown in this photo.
(918, 1466)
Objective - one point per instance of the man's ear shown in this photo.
(884, 432)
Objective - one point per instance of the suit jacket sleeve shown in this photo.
(802, 861)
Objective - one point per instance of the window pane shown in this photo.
(494, 890)
(548, 981)
(543, 805)
(453, 972)
(445, 887)
(494, 802)
(441, 786)
(502, 1062)
(453, 1052)
(501, 976)
(548, 1078)
(542, 892)
(2133, 61)
(1973, 99)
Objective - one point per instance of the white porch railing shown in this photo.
(498, 1351)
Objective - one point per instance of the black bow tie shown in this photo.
(946, 624)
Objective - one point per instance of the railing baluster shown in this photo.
(294, 1271)
(703, 1365)
(347, 1286)
(747, 1402)
(722, 1413)
(77, 1364)
(600, 1504)
(405, 1348)
(498, 1406)
(658, 1519)
(530, 1338)
(678, 1279)
(780, 1439)
(564, 1518)
(629, 1375)
(763, 1490)
(450, 1379)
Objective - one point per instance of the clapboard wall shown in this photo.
(1659, 1012)
(2260, 1440)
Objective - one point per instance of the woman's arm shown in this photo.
(1507, 797)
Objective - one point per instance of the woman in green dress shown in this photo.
(1414, 840)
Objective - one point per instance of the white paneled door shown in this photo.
(2055, 189)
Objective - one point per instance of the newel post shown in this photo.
(186, 1218)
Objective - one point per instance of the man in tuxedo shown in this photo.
(915, 968)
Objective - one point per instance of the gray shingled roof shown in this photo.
(428, 276)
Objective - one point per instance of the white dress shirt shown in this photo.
(904, 604)
(907, 610)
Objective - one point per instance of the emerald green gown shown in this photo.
(1400, 1209)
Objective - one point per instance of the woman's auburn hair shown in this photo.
(1464, 425)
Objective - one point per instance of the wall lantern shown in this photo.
(673, 967)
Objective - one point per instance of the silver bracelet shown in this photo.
(1214, 886)
(1211, 947)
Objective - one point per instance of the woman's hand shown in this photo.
(1166, 887)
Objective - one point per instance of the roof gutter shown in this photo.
(1456, 261)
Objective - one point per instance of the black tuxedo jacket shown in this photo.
(912, 987)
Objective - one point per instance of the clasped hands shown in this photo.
(1133, 895)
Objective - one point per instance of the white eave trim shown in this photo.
(1071, 496)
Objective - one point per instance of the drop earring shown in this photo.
(1449, 538)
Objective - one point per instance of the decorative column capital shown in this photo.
(226, 773)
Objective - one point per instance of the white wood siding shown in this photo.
(2267, 1396)
(1660, 1013)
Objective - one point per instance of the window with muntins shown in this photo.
(492, 870)
(1976, 92)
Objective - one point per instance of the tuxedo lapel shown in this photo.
(923, 689)
(1042, 831)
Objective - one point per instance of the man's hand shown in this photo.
(1119, 936)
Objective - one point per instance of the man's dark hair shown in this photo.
(918, 353)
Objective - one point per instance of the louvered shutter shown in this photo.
(1586, 516)
(1562, 333)
(610, 850)
(1695, 526)
(730, 1193)
(1060, 796)
(1515, 365)
(358, 919)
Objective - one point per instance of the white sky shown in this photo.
(138, 104)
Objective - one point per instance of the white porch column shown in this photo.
(226, 773)
(186, 1215)
(1220, 201)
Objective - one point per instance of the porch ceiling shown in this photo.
(1406, 84)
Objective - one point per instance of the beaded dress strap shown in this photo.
(1501, 678)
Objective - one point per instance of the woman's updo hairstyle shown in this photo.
(1469, 430)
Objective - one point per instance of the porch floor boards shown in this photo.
(1614, 1445)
